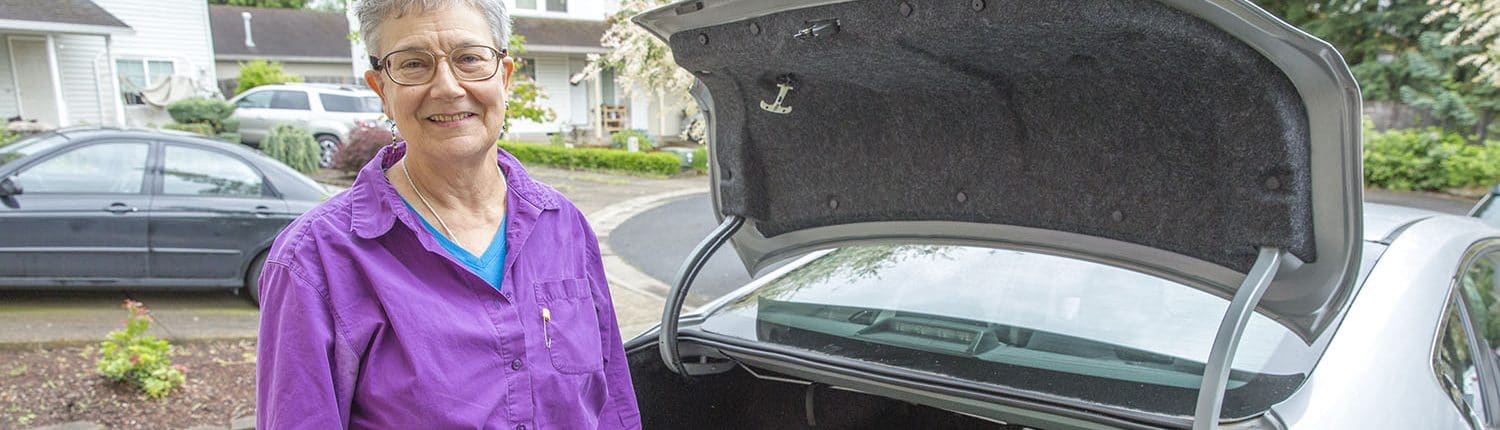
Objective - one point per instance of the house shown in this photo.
(69, 62)
(560, 34)
(311, 44)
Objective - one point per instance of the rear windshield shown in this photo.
(1029, 321)
(338, 103)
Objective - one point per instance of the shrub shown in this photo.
(364, 143)
(143, 361)
(205, 116)
(200, 110)
(202, 129)
(1428, 159)
(294, 146)
(619, 139)
(700, 159)
(654, 163)
(259, 72)
(7, 136)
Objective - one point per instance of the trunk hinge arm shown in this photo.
(1227, 341)
(667, 341)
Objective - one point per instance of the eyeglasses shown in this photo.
(417, 67)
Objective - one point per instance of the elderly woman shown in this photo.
(446, 288)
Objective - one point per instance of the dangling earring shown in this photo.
(392, 125)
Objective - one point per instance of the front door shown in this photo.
(80, 220)
(28, 55)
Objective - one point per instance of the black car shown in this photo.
(100, 207)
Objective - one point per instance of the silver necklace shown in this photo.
(424, 200)
(418, 190)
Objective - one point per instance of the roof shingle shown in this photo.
(279, 33)
(81, 12)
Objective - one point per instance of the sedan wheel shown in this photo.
(252, 279)
(328, 145)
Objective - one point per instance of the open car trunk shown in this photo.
(739, 399)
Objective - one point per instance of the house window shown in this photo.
(137, 75)
(552, 5)
(607, 76)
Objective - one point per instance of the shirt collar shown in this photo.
(375, 202)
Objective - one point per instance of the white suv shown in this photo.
(328, 111)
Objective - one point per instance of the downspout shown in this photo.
(57, 94)
(114, 81)
(98, 91)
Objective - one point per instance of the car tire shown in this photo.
(252, 279)
(328, 145)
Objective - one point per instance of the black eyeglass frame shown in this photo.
(379, 63)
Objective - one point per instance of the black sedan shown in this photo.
(129, 208)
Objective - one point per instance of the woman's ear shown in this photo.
(509, 65)
(372, 78)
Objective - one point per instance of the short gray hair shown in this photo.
(372, 13)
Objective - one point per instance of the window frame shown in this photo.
(307, 99)
(134, 97)
(1486, 358)
(146, 174)
(159, 168)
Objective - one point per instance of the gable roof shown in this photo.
(58, 15)
(279, 34)
(550, 34)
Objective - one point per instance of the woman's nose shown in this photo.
(444, 83)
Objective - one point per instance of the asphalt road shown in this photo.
(658, 240)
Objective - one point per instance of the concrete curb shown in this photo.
(619, 271)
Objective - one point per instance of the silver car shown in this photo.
(1073, 214)
(327, 111)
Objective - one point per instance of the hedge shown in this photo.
(1428, 159)
(653, 163)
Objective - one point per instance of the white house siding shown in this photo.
(166, 29)
(582, 112)
(8, 105)
(83, 65)
(552, 76)
(584, 9)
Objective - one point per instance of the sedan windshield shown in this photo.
(1035, 322)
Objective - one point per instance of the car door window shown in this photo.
(108, 168)
(1456, 368)
(260, 100)
(294, 100)
(197, 172)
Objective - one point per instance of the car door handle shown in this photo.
(262, 211)
(120, 208)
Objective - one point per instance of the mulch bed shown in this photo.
(51, 385)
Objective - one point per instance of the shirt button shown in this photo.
(516, 365)
(521, 427)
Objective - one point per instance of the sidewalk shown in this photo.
(30, 318)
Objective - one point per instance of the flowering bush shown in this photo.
(364, 143)
(144, 361)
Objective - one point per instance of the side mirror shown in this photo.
(9, 187)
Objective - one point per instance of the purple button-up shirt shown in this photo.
(367, 323)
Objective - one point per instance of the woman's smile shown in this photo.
(452, 119)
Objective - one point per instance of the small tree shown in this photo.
(644, 64)
(259, 72)
(143, 361)
(294, 146)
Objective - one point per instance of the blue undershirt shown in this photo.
(490, 266)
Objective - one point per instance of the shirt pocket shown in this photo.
(570, 325)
